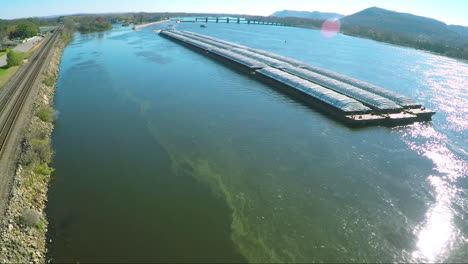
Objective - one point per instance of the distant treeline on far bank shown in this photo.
(396, 28)
(452, 45)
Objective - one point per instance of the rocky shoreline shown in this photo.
(24, 227)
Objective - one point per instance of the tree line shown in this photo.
(17, 30)
(456, 48)
(10, 29)
(451, 47)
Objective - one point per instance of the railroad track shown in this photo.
(22, 84)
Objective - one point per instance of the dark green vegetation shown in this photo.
(408, 30)
(306, 14)
(103, 22)
(89, 24)
(400, 22)
(373, 23)
(49, 80)
(396, 28)
(459, 29)
(14, 58)
(291, 21)
(24, 29)
(46, 113)
(43, 169)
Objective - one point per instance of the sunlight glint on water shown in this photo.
(438, 234)
(162, 134)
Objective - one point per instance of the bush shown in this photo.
(41, 225)
(46, 113)
(67, 37)
(49, 81)
(39, 133)
(30, 218)
(14, 58)
(42, 148)
(43, 169)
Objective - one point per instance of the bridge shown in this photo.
(237, 20)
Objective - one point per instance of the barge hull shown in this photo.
(374, 118)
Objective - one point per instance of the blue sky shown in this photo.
(448, 11)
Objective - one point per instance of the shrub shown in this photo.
(43, 169)
(46, 113)
(39, 133)
(49, 80)
(42, 148)
(67, 37)
(14, 58)
(30, 218)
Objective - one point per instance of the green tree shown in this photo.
(24, 29)
(3, 30)
(14, 58)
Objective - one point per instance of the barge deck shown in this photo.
(354, 102)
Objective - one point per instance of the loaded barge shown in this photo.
(354, 102)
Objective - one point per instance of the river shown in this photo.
(164, 155)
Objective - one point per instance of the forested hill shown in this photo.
(306, 14)
(408, 30)
(459, 29)
(401, 22)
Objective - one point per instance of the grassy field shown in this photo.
(5, 74)
(2, 53)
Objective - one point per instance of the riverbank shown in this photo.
(24, 226)
(150, 24)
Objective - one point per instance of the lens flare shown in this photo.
(331, 27)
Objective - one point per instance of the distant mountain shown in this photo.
(459, 29)
(306, 14)
(409, 24)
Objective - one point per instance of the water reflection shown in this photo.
(447, 79)
(438, 234)
(296, 187)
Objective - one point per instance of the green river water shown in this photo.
(164, 155)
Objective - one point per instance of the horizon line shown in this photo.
(136, 12)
